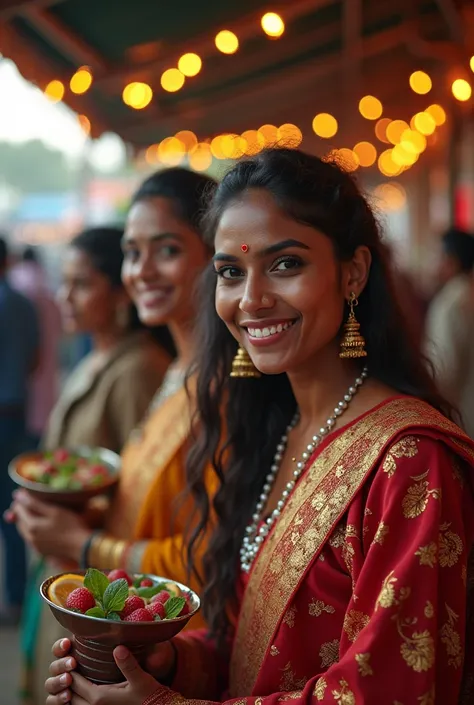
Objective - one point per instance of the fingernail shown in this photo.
(69, 663)
(63, 643)
(121, 653)
(63, 679)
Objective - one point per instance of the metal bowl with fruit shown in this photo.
(67, 477)
(103, 611)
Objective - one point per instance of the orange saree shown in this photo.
(359, 595)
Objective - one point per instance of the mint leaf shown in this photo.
(115, 595)
(137, 581)
(96, 612)
(97, 583)
(173, 607)
(149, 592)
(114, 617)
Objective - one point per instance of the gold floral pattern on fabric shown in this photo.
(329, 653)
(317, 607)
(289, 681)
(336, 540)
(418, 650)
(359, 447)
(363, 665)
(429, 610)
(344, 696)
(386, 596)
(451, 639)
(291, 696)
(381, 533)
(427, 554)
(406, 448)
(290, 616)
(450, 546)
(274, 650)
(416, 499)
(320, 688)
(354, 623)
(429, 697)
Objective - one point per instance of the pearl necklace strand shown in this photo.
(255, 534)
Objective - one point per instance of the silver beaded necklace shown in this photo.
(256, 532)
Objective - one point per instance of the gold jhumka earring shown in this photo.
(243, 367)
(353, 342)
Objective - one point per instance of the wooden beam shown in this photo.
(245, 28)
(63, 39)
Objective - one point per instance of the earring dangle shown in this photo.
(353, 342)
(243, 367)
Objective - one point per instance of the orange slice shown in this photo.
(173, 589)
(61, 588)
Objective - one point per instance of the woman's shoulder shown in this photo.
(139, 354)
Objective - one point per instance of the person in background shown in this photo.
(450, 326)
(29, 278)
(19, 355)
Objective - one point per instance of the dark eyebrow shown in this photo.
(155, 238)
(271, 250)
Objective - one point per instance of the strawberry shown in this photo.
(146, 583)
(61, 455)
(141, 615)
(132, 604)
(80, 600)
(157, 609)
(97, 470)
(118, 574)
(186, 610)
(162, 597)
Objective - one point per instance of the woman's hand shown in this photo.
(66, 687)
(51, 530)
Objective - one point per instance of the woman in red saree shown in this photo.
(346, 551)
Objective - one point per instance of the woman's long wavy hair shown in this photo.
(242, 419)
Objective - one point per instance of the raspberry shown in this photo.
(157, 609)
(162, 597)
(132, 604)
(80, 600)
(140, 615)
(119, 575)
(146, 583)
(186, 610)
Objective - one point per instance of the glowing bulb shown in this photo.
(137, 95)
(227, 42)
(366, 153)
(171, 151)
(81, 81)
(187, 138)
(269, 134)
(54, 91)
(462, 90)
(420, 82)
(371, 108)
(387, 165)
(348, 159)
(172, 80)
(381, 129)
(395, 130)
(200, 157)
(190, 64)
(255, 142)
(437, 113)
(325, 125)
(289, 135)
(273, 25)
(413, 141)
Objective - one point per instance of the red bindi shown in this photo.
(244, 247)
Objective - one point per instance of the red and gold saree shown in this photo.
(359, 596)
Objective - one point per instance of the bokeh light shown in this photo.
(289, 135)
(387, 165)
(347, 159)
(424, 123)
(413, 141)
(366, 153)
(437, 113)
(171, 151)
(325, 125)
(151, 154)
(187, 138)
(227, 42)
(395, 130)
(54, 91)
(85, 124)
(172, 80)
(190, 64)
(420, 82)
(392, 196)
(255, 142)
(137, 95)
(370, 107)
(403, 157)
(200, 157)
(272, 24)
(269, 134)
(81, 81)
(461, 89)
(381, 129)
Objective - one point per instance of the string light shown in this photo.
(171, 151)
(272, 25)
(413, 141)
(255, 142)
(437, 113)
(366, 153)
(420, 82)
(172, 80)
(55, 91)
(137, 95)
(289, 135)
(395, 130)
(200, 157)
(370, 107)
(381, 129)
(347, 158)
(187, 138)
(387, 165)
(403, 157)
(81, 81)
(227, 42)
(461, 89)
(325, 125)
(269, 134)
(424, 123)
(190, 64)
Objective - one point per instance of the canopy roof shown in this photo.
(331, 53)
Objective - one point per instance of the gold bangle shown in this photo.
(94, 550)
(118, 551)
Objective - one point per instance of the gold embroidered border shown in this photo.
(321, 498)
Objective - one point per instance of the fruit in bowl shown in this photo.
(68, 477)
(103, 611)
